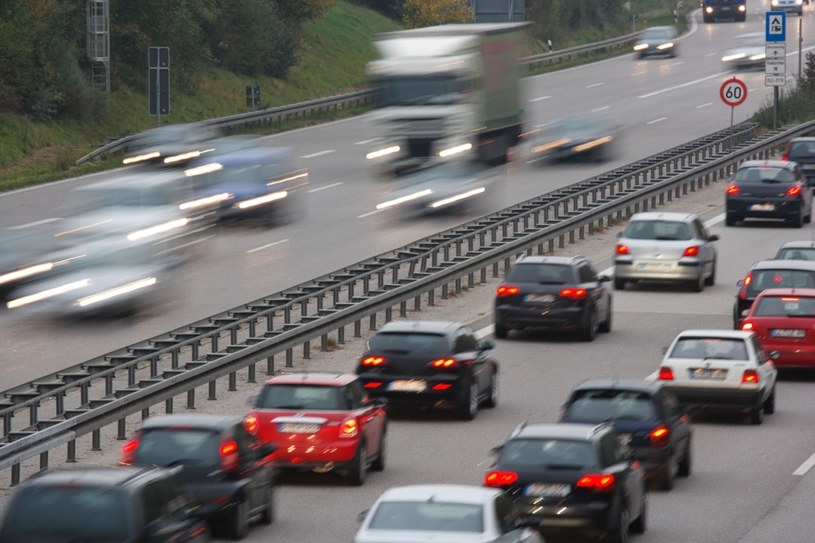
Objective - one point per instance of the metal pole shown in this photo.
(158, 87)
(800, 44)
(775, 107)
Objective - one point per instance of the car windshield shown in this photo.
(548, 454)
(555, 274)
(430, 516)
(658, 230)
(785, 306)
(409, 343)
(63, 513)
(656, 33)
(801, 149)
(764, 279)
(796, 253)
(177, 445)
(769, 174)
(313, 397)
(601, 405)
(710, 347)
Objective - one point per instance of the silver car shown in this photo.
(444, 514)
(659, 246)
(657, 40)
(747, 53)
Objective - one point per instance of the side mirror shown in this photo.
(740, 283)
(486, 346)
(495, 451)
(603, 278)
(251, 401)
(713, 237)
(361, 516)
(745, 312)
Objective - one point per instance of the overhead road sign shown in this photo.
(733, 92)
(775, 26)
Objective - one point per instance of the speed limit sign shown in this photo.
(733, 92)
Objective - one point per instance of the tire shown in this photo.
(605, 326)
(501, 331)
(492, 398)
(698, 284)
(468, 408)
(239, 521)
(620, 532)
(757, 415)
(686, 462)
(619, 284)
(808, 218)
(589, 331)
(359, 470)
(641, 522)
(267, 516)
(730, 220)
(798, 221)
(379, 463)
(710, 281)
(769, 403)
(667, 477)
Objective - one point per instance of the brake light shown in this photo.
(507, 290)
(251, 424)
(442, 386)
(748, 279)
(750, 376)
(747, 326)
(732, 189)
(666, 374)
(349, 427)
(794, 190)
(622, 249)
(129, 452)
(573, 293)
(498, 478)
(374, 361)
(602, 482)
(442, 363)
(659, 435)
(693, 250)
(373, 384)
(229, 455)
(785, 158)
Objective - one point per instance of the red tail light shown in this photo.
(442, 363)
(507, 290)
(750, 376)
(659, 435)
(666, 374)
(785, 158)
(732, 189)
(748, 279)
(374, 361)
(442, 386)
(251, 424)
(129, 452)
(747, 326)
(229, 456)
(693, 250)
(498, 478)
(349, 427)
(373, 384)
(573, 293)
(622, 249)
(602, 482)
(794, 191)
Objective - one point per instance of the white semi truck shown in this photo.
(446, 91)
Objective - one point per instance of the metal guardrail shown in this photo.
(90, 396)
(355, 99)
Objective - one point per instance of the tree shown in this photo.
(419, 13)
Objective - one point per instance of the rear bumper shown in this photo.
(783, 208)
(445, 391)
(685, 270)
(327, 455)
(593, 518)
(518, 316)
(654, 459)
(792, 356)
(718, 398)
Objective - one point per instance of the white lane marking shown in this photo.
(256, 249)
(677, 63)
(534, 160)
(364, 142)
(370, 213)
(594, 85)
(539, 98)
(595, 110)
(638, 73)
(318, 153)
(806, 466)
(688, 84)
(704, 105)
(332, 185)
(655, 121)
(544, 124)
(711, 54)
(35, 223)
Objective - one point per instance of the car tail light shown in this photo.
(373, 384)
(498, 478)
(349, 427)
(573, 293)
(748, 279)
(129, 452)
(666, 374)
(374, 361)
(251, 424)
(732, 189)
(622, 249)
(443, 363)
(599, 482)
(747, 326)
(507, 290)
(442, 386)
(750, 376)
(229, 455)
(785, 158)
(693, 250)
(659, 435)
(794, 191)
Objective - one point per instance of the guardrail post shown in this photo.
(15, 475)
(32, 413)
(307, 349)
(232, 381)
(250, 373)
(458, 285)
(153, 366)
(71, 456)
(403, 309)
(289, 358)
(388, 314)
(131, 375)
(431, 297)
(174, 358)
(191, 398)
(43, 460)
(270, 365)
(212, 390)
(213, 342)
(444, 293)
(372, 321)
(417, 303)
(96, 440)
(121, 429)
(145, 413)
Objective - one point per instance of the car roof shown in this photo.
(805, 265)
(560, 430)
(191, 420)
(808, 292)
(802, 138)
(433, 327)
(313, 378)
(640, 385)
(441, 493)
(549, 259)
(662, 216)
(799, 244)
(716, 333)
(106, 476)
(767, 163)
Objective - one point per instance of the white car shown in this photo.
(723, 369)
(443, 514)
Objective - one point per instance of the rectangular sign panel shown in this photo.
(775, 50)
(775, 26)
(775, 66)
(775, 80)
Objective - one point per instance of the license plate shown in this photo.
(298, 428)
(655, 266)
(762, 207)
(545, 298)
(408, 386)
(725, 8)
(780, 332)
(708, 373)
(548, 490)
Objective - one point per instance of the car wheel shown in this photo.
(469, 403)
(710, 281)
(769, 403)
(359, 469)
(620, 532)
(605, 326)
(379, 463)
(685, 463)
(501, 331)
(698, 284)
(492, 398)
(239, 521)
(619, 284)
(730, 219)
(267, 516)
(668, 476)
(589, 331)
(641, 522)
(798, 221)
(757, 415)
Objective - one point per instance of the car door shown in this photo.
(677, 422)
(252, 470)
(465, 347)
(599, 294)
(167, 512)
(708, 249)
(617, 460)
(369, 413)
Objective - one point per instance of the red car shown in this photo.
(784, 320)
(321, 422)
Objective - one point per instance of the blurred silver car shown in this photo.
(659, 246)
(796, 250)
(171, 145)
(788, 6)
(577, 136)
(748, 53)
(444, 514)
(657, 41)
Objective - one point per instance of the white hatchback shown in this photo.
(722, 369)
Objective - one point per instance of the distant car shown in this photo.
(224, 466)
(443, 512)
(657, 246)
(796, 250)
(425, 364)
(572, 479)
(322, 422)
(581, 136)
(656, 41)
(768, 189)
(770, 274)
(720, 369)
(747, 53)
(553, 293)
(648, 418)
(714, 10)
(784, 320)
(802, 151)
(101, 504)
(170, 145)
(788, 6)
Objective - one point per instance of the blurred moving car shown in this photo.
(26, 255)
(460, 513)
(788, 6)
(784, 320)
(768, 189)
(224, 467)
(802, 151)
(322, 422)
(770, 274)
(796, 250)
(747, 53)
(577, 137)
(656, 41)
(657, 246)
(573, 479)
(646, 415)
(720, 369)
(553, 293)
(715, 10)
(96, 504)
(170, 145)
(436, 364)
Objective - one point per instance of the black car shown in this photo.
(103, 504)
(430, 364)
(573, 479)
(768, 189)
(224, 465)
(770, 274)
(553, 293)
(648, 417)
(802, 151)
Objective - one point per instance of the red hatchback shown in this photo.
(784, 320)
(321, 422)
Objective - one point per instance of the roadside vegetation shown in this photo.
(796, 103)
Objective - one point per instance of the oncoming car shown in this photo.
(656, 41)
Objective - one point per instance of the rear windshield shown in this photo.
(764, 279)
(765, 174)
(409, 343)
(312, 397)
(432, 516)
(68, 513)
(707, 347)
(660, 230)
(803, 149)
(554, 274)
(548, 454)
(601, 405)
(178, 446)
(790, 253)
(781, 306)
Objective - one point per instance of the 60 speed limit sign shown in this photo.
(733, 92)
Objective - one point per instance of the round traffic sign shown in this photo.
(733, 92)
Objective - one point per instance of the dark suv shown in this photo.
(103, 504)
(224, 465)
(648, 417)
(768, 189)
(553, 293)
(572, 479)
(770, 274)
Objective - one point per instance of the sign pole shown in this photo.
(158, 99)
(775, 107)
(800, 44)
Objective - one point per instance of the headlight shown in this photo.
(455, 150)
(736, 56)
(708, 10)
(140, 158)
(758, 56)
(158, 229)
(664, 46)
(774, 2)
(383, 152)
(403, 199)
(118, 291)
(640, 46)
(742, 8)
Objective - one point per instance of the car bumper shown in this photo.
(517, 316)
(788, 9)
(717, 397)
(782, 209)
(437, 392)
(315, 456)
(792, 357)
(557, 518)
(686, 270)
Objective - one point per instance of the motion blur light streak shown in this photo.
(550, 145)
(25, 300)
(205, 202)
(183, 156)
(118, 291)
(383, 152)
(206, 168)
(87, 226)
(158, 229)
(455, 150)
(457, 197)
(592, 144)
(287, 179)
(141, 158)
(263, 199)
(403, 199)
(26, 272)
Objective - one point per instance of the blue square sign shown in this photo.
(775, 26)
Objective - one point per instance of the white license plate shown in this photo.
(545, 298)
(548, 490)
(762, 207)
(298, 428)
(655, 266)
(780, 332)
(716, 374)
(408, 386)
